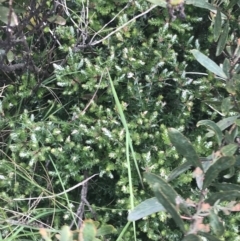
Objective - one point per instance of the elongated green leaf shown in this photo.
(192, 237)
(217, 25)
(152, 179)
(216, 224)
(223, 124)
(218, 166)
(201, 4)
(161, 3)
(179, 170)
(145, 208)
(164, 200)
(208, 236)
(212, 125)
(170, 193)
(223, 39)
(227, 187)
(223, 196)
(184, 147)
(196, 3)
(208, 63)
(229, 149)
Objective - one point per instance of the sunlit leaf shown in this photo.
(10, 56)
(161, 3)
(44, 233)
(145, 208)
(196, 3)
(208, 63)
(65, 234)
(184, 147)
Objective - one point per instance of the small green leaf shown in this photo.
(179, 170)
(226, 105)
(192, 237)
(105, 229)
(88, 231)
(216, 224)
(162, 197)
(219, 165)
(214, 127)
(57, 19)
(223, 39)
(145, 208)
(208, 63)
(217, 25)
(229, 149)
(66, 234)
(10, 56)
(223, 196)
(184, 147)
(227, 67)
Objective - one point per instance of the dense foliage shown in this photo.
(61, 124)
